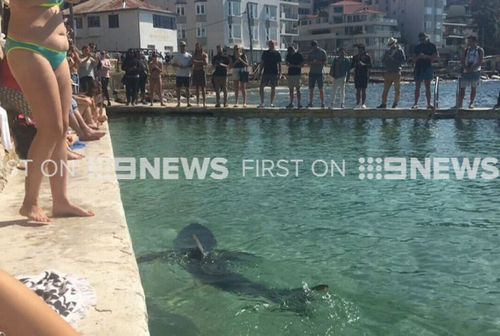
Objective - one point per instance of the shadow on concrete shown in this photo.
(22, 222)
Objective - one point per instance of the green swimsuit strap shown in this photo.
(52, 3)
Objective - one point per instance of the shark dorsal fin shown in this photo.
(200, 247)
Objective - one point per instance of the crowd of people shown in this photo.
(191, 72)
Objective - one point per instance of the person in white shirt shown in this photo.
(471, 75)
(183, 61)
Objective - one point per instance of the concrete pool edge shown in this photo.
(98, 249)
(253, 112)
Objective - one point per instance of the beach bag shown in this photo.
(24, 131)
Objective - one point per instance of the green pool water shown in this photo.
(405, 257)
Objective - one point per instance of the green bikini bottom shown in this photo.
(54, 57)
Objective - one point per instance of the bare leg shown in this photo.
(236, 91)
(461, 96)
(178, 90)
(44, 97)
(290, 93)
(311, 94)
(273, 94)
(417, 91)
(358, 96)
(225, 94)
(473, 93)
(363, 96)
(197, 89)
(298, 95)
(322, 95)
(261, 92)
(428, 92)
(188, 96)
(204, 95)
(244, 92)
(61, 206)
(22, 313)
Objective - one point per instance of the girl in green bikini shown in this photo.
(36, 51)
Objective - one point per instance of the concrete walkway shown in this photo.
(253, 112)
(97, 248)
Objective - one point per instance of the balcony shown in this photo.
(290, 2)
(289, 16)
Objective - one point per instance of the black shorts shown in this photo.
(182, 82)
(361, 82)
(315, 79)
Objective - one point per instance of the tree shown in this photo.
(486, 14)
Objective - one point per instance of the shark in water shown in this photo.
(194, 249)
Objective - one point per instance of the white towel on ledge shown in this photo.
(5, 131)
(70, 296)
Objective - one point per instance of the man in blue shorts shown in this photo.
(425, 53)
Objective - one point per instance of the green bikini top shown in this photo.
(52, 3)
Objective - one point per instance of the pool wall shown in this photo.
(98, 248)
(253, 112)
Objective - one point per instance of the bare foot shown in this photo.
(34, 213)
(74, 156)
(70, 210)
(91, 136)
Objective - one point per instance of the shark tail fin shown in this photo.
(200, 246)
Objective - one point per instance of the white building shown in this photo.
(227, 22)
(306, 8)
(415, 16)
(119, 25)
(346, 24)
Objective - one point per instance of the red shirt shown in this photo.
(6, 78)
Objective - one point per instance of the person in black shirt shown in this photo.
(361, 63)
(270, 67)
(294, 60)
(220, 61)
(425, 53)
(131, 79)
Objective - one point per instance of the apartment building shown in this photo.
(415, 16)
(230, 22)
(346, 24)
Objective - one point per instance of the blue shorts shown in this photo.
(74, 105)
(315, 79)
(425, 75)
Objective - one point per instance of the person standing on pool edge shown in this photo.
(183, 61)
(393, 61)
(425, 53)
(471, 74)
(317, 60)
(37, 44)
(270, 66)
(361, 63)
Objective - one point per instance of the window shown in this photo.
(113, 21)
(255, 33)
(181, 31)
(93, 21)
(151, 47)
(163, 22)
(252, 7)
(270, 12)
(201, 30)
(200, 9)
(338, 10)
(428, 10)
(235, 31)
(234, 8)
(180, 10)
(271, 34)
(79, 23)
